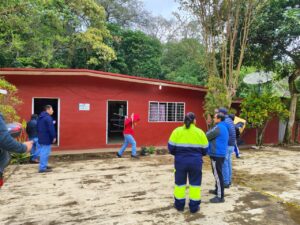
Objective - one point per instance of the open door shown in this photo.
(38, 107)
(116, 112)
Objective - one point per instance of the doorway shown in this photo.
(38, 107)
(116, 113)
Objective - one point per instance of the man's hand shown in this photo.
(28, 145)
(54, 140)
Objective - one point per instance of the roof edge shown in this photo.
(101, 74)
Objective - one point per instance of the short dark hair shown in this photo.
(220, 116)
(46, 107)
(223, 110)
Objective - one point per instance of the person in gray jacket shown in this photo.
(8, 145)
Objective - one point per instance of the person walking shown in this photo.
(128, 133)
(227, 166)
(218, 142)
(31, 130)
(46, 137)
(188, 144)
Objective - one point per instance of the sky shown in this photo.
(161, 7)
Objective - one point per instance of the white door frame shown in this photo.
(111, 100)
(58, 115)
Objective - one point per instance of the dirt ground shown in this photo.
(265, 190)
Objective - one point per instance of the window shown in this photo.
(166, 112)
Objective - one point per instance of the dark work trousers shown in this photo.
(191, 169)
(217, 165)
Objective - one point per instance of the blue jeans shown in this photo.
(128, 139)
(35, 151)
(4, 160)
(45, 151)
(227, 166)
(236, 150)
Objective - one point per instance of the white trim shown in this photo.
(165, 102)
(99, 75)
(58, 115)
(106, 118)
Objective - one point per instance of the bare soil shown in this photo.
(93, 189)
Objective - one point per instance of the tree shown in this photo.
(274, 45)
(184, 61)
(125, 13)
(137, 53)
(60, 33)
(260, 110)
(225, 27)
(9, 102)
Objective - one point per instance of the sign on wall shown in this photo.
(84, 107)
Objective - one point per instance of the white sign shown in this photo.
(84, 107)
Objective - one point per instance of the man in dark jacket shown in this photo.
(7, 145)
(218, 142)
(31, 130)
(46, 137)
(227, 166)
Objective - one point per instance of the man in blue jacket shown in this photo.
(227, 166)
(46, 137)
(218, 141)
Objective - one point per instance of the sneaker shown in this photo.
(49, 167)
(45, 171)
(226, 185)
(34, 162)
(214, 192)
(178, 209)
(135, 156)
(194, 211)
(217, 200)
(1, 180)
(119, 156)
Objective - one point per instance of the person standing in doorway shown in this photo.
(31, 130)
(46, 137)
(218, 142)
(227, 166)
(188, 144)
(128, 133)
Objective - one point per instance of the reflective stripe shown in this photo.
(179, 192)
(188, 145)
(195, 193)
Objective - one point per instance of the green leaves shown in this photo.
(258, 110)
(9, 102)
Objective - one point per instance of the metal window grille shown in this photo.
(166, 112)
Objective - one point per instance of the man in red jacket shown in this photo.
(128, 132)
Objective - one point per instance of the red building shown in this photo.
(90, 105)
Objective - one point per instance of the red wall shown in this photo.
(87, 129)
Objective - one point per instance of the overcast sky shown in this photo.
(161, 7)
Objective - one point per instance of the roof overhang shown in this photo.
(98, 74)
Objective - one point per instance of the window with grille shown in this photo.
(166, 112)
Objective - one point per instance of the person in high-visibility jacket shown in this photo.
(188, 144)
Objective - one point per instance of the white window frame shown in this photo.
(162, 102)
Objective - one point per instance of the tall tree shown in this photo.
(274, 45)
(58, 33)
(225, 26)
(137, 53)
(184, 61)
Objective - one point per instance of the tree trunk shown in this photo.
(290, 125)
(260, 134)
